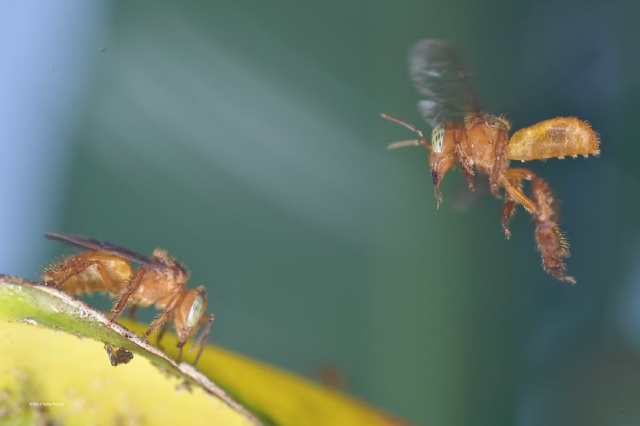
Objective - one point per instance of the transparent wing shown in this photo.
(99, 245)
(438, 73)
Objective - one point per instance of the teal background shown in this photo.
(245, 138)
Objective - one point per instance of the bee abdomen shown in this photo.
(554, 138)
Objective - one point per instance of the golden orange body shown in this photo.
(159, 281)
(555, 138)
(92, 271)
(478, 136)
(480, 143)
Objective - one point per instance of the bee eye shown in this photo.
(437, 138)
(196, 311)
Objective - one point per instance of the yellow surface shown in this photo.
(289, 399)
(279, 396)
(54, 376)
(76, 385)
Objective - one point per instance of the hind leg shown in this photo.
(552, 243)
(58, 274)
(544, 208)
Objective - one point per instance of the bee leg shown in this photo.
(467, 170)
(71, 267)
(163, 316)
(552, 243)
(499, 164)
(132, 286)
(439, 167)
(202, 338)
(132, 312)
(163, 328)
(106, 279)
(520, 174)
(509, 208)
(436, 181)
(74, 266)
(516, 194)
(466, 165)
(179, 357)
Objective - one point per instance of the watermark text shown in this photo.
(45, 404)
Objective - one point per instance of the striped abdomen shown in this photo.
(557, 137)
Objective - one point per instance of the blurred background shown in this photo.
(245, 138)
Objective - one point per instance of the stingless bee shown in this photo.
(480, 142)
(160, 281)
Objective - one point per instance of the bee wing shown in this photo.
(99, 245)
(438, 73)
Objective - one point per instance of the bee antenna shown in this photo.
(410, 127)
(401, 144)
(201, 338)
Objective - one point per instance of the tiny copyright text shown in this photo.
(45, 404)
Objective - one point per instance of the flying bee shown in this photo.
(160, 281)
(480, 142)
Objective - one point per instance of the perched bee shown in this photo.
(480, 142)
(160, 281)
